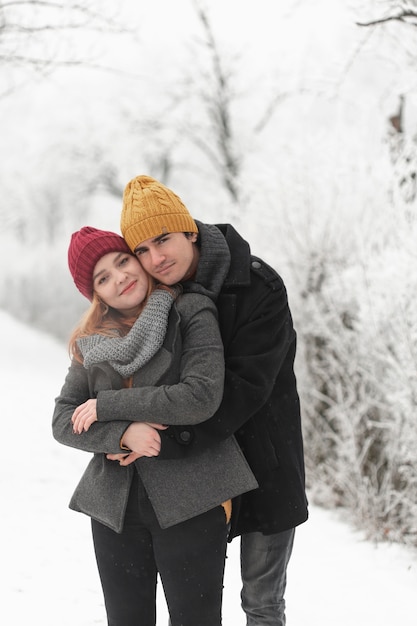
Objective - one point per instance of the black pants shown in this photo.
(189, 557)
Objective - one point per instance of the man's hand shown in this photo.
(83, 416)
(124, 458)
(142, 439)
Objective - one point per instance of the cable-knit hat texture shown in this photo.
(151, 209)
(87, 246)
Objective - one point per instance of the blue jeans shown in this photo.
(264, 560)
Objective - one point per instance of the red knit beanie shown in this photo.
(87, 246)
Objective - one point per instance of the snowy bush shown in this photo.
(359, 337)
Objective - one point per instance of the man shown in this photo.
(260, 402)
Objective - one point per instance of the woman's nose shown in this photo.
(121, 276)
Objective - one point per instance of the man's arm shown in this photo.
(254, 354)
(197, 377)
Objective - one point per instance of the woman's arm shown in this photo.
(104, 437)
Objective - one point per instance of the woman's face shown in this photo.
(121, 282)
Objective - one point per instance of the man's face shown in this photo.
(169, 258)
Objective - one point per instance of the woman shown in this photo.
(139, 358)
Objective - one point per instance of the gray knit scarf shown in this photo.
(129, 353)
(214, 262)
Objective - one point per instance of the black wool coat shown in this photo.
(260, 404)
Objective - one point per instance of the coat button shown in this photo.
(256, 265)
(185, 436)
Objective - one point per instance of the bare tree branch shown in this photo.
(403, 16)
(218, 104)
(91, 16)
(38, 35)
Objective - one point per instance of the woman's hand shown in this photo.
(142, 439)
(83, 416)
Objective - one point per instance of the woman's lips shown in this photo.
(129, 287)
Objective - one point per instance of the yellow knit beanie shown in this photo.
(150, 209)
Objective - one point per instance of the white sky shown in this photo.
(48, 570)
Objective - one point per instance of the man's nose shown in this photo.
(156, 257)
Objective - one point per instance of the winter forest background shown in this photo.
(297, 122)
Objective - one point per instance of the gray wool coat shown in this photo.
(181, 385)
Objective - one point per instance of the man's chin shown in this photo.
(170, 278)
(165, 280)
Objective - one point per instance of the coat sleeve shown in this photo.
(260, 350)
(101, 437)
(197, 391)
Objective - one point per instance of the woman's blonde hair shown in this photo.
(103, 320)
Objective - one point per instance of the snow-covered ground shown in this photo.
(47, 563)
